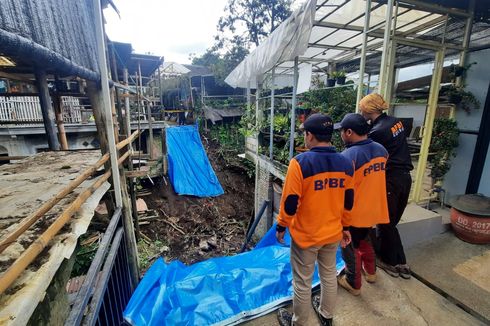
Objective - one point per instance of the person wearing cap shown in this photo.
(389, 132)
(370, 205)
(316, 195)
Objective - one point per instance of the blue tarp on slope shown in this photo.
(188, 165)
(220, 291)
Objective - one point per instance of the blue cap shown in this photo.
(318, 124)
(353, 121)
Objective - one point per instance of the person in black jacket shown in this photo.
(389, 132)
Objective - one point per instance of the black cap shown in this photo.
(318, 124)
(353, 121)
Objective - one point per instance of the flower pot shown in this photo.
(330, 82)
(470, 218)
(470, 228)
(341, 80)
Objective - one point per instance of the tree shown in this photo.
(258, 18)
(222, 64)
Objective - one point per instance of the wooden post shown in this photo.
(59, 121)
(96, 103)
(109, 127)
(127, 108)
(150, 130)
(47, 109)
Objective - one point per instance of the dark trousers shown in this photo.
(357, 255)
(390, 246)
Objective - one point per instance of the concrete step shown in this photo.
(418, 225)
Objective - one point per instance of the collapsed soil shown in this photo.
(193, 229)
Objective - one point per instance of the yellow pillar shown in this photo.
(428, 124)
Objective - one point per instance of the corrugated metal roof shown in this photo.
(63, 27)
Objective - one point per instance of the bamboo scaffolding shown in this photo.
(21, 263)
(28, 256)
(34, 217)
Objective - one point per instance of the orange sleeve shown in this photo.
(291, 194)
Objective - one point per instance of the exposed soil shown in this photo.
(193, 229)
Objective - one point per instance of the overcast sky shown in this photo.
(169, 28)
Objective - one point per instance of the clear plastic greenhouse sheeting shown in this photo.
(188, 165)
(218, 291)
(287, 41)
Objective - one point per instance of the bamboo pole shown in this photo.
(32, 218)
(21, 263)
(28, 256)
(128, 140)
(35, 216)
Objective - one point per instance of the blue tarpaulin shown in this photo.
(218, 291)
(188, 165)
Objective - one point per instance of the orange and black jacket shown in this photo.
(317, 191)
(370, 204)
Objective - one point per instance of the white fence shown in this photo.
(18, 109)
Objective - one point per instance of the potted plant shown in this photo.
(459, 71)
(460, 97)
(331, 79)
(443, 144)
(340, 77)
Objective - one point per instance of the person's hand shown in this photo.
(346, 239)
(280, 236)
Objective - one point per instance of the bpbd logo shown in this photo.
(376, 167)
(329, 183)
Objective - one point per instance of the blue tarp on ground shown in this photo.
(220, 291)
(188, 165)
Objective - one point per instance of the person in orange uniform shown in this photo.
(390, 132)
(317, 192)
(370, 208)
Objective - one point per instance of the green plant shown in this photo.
(84, 257)
(340, 73)
(281, 123)
(247, 124)
(443, 143)
(459, 71)
(462, 98)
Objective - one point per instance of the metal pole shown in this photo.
(386, 43)
(160, 87)
(46, 109)
(106, 97)
(390, 65)
(428, 124)
(466, 40)
(250, 233)
(257, 165)
(271, 142)
(293, 109)
(362, 66)
(249, 96)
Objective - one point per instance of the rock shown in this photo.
(204, 245)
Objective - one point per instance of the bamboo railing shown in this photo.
(28, 256)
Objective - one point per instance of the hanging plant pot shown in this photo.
(341, 80)
(330, 82)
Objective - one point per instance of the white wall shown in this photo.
(477, 80)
